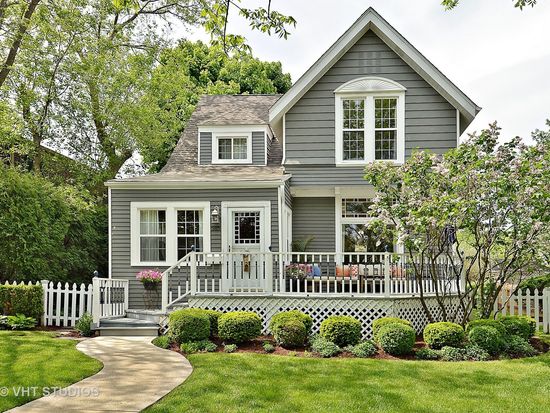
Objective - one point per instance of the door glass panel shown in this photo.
(246, 227)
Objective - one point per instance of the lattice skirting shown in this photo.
(365, 310)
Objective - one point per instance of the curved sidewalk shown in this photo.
(135, 375)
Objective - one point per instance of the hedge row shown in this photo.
(22, 299)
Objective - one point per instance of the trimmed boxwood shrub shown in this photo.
(522, 326)
(22, 299)
(438, 335)
(396, 339)
(342, 330)
(213, 316)
(239, 326)
(291, 333)
(189, 324)
(291, 315)
(381, 322)
(486, 337)
(486, 322)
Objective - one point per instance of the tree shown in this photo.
(481, 208)
(520, 4)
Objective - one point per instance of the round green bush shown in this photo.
(189, 324)
(522, 326)
(291, 333)
(283, 317)
(213, 316)
(438, 335)
(396, 339)
(162, 342)
(486, 322)
(342, 330)
(239, 326)
(381, 322)
(364, 349)
(486, 337)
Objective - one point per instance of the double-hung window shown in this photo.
(232, 148)
(164, 232)
(369, 122)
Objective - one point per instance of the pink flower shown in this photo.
(151, 276)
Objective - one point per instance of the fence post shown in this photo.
(164, 290)
(96, 309)
(45, 303)
(546, 310)
(387, 279)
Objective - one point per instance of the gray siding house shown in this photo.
(253, 173)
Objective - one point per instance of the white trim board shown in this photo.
(371, 20)
(181, 184)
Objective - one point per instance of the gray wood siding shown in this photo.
(288, 196)
(314, 217)
(258, 148)
(430, 121)
(120, 224)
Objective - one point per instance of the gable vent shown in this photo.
(370, 84)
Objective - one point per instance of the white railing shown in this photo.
(110, 298)
(306, 274)
(535, 304)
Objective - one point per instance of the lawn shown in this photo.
(38, 359)
(262, 383)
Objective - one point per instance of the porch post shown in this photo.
(387, 270)
(96, 309)
(193, 271)
(164, 291)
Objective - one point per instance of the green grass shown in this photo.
(38, 359)
(264, 383)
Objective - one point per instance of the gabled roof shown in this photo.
(371, 20)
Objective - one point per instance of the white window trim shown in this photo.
(216, 136)
(171, 209)
(369, 88)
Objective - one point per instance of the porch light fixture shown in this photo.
(215, 215)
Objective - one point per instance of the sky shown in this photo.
(498, 55)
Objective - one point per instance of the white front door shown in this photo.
(246, 236)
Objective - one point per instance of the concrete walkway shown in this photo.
(135, 375)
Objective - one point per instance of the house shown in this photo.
(253, 173)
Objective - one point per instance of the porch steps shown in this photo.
(125, 326)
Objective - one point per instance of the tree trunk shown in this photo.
(21, 30)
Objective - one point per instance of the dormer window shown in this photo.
(232, 148)
(370, 121)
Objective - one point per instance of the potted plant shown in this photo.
(151, 280)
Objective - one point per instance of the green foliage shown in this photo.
(229, 348)
(268, 347)
(522, 326)
(162, 342)
(189, 325)
(21, 322)
(3, 322)
(438, 335)
(324, 347)
(213, 316)
(520, 4)
(427, 354)
(84, 325)
(341, 330)
(486, 322)
(198, 346)
(291, 333)
(284, 316)
(396, 339)
(535, 283)
(381, 322)
(516, 346)
(21, 299)
(364, 349)
(471, 353)
(48, 232)
(488, 338)
(239, 326)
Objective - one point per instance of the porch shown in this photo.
(309, 275)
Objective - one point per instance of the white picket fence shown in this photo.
(534, 304)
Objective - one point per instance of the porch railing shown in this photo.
(306, 274)
(110, 298)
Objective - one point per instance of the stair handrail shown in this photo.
(167, 273)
